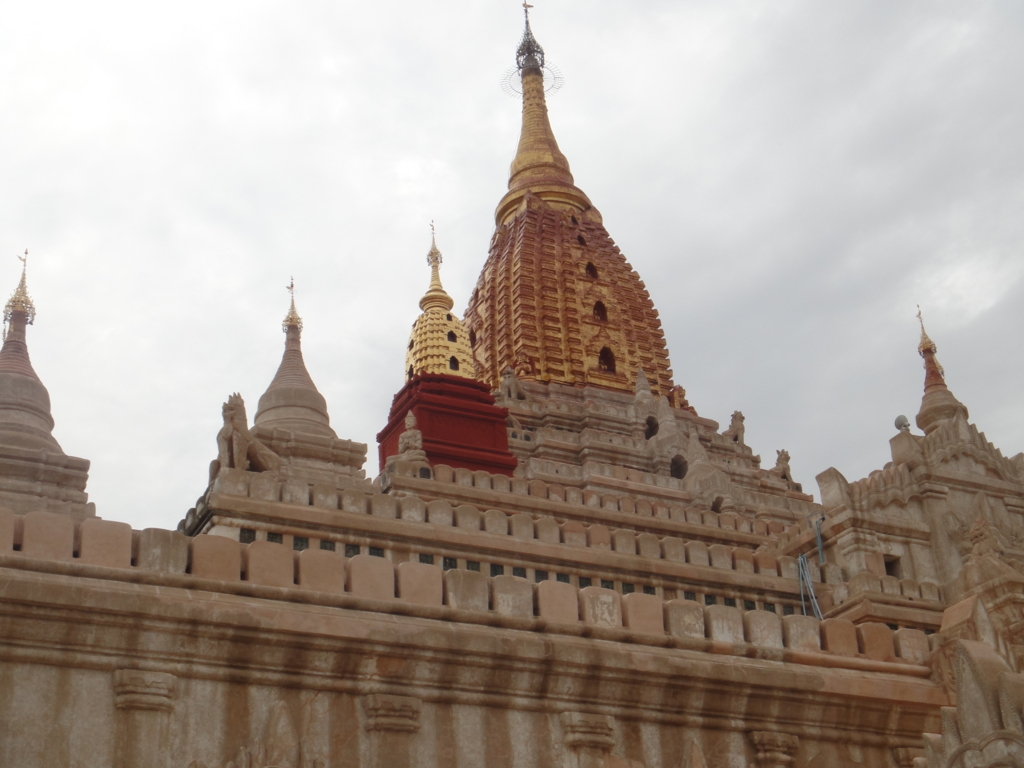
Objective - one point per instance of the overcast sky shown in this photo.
(789, 178)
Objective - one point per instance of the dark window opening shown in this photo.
(710, 600)
(716, 505)
(573, 220)
(730, 601)
(581, 239)
(591, 271)
(472, 337)
(652, 427)
(497, 570)
(606, 360)
(892, 567)
(540, 576)
(351, 550)
(600, 312)
(770, 607)
(649, 590)
(448, 316)
(409, 373)
(678, 468)
(376, 552)
(520, 572)
(451, 336)
(300, 543)
(472, 565)
(275, 538)
(450, 563)
(607, 584)
(428, 559)
(453, 363)
(328, 545)
(585, 581)
(689, 595)
(425, 473)
(562, 577)
(892, 626)
(410, 343)
(749, 605)
(247, 535)
(628, 589)
(787, 610)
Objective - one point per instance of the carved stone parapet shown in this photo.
(587, 731)
(138, 689)
(385, 712)
(774, 750)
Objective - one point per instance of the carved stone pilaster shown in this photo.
(774, 750)
(588, 739)
(144, 702)
(390, 723)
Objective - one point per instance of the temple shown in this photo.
(557, 562)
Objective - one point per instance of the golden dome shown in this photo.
(439, 342)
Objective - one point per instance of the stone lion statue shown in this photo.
(735, 431)
(236, 447)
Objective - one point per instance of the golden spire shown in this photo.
(292, 319)
(539, 166)
(20, 301)
(435, 297)
(927, 346)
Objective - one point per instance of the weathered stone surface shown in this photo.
(511, 596)
(643, 613)
(839, 636)
(372, 577)
(466, 590)
(420, 583)
(216, 557)
(803, 633)
(722, 622)
(105, 542)
(164, 551)
(600, 607)
(876, 641)
(269, 564)
(321, 570)
(48, 536)
(558, 602)
(763, 629)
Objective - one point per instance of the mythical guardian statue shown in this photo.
(236, 447)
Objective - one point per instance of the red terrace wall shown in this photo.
(461, 425)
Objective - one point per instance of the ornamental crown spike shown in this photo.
(938, 403)
(292, 319)
(435, 297)
(20, 301)
(529, 54)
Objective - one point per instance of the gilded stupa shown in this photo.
(556, 300)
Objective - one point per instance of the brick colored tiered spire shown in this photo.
(556, 300)
(292, 401)
(938, 403)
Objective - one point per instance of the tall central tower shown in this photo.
(557, 301)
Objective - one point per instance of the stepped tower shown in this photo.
(556, 300)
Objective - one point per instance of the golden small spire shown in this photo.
(292, 319)
(20, 301)
(927, 345)
(435, 297)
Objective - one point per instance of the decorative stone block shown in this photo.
(382, 505)
(600, 607)
(420, 583)
(624, 541)
(163, 551)
(930, 591)
(911, 645)
(464, 477)
(711, 519)
(325, 496)
(538, 488)
(556, 492)
(648, 545)
(721, 556)
(763, 629)
(482, 479)
(743, 560)
(521, 526)
(694, 516)
(501, 483)
(864, 582)
(321, 570)
(558, 602)
(216, 557)
(910, 589)
(48, 536)
(876, 641)
(831, 573)
(466, 590)
(413, 509)
(643, 613)
(443, 473)
(511, 596)
(573, 533)
(104, 542)
(643, 508)
(520, 487)
(467, 517)
(610, 503)
(697, 553)
(839, 636)
(766, 563)
(295, 492)
(760, 527)
(234, 482)
(890, 585)
(675, 512)
(264, 486)
(271, 565)
(573, 496)
(7, 522)
(801, 633)
(684, 618)
(547, 530)
(439, 512)
(368, 576)
(599, 537)
(496, 521)
(723, 622)
(727, 520)
(673, 549)
(354, 502)
(788, 568)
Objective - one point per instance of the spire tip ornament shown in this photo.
(20, 301)
(927, 345)
(292, 319)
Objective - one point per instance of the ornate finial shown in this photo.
(434, 255)
(529, 54)
(435, 297)
(926, 344)
(20, 301)
(292, 319)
